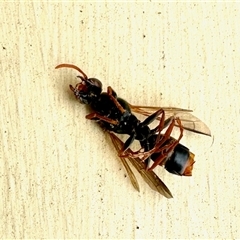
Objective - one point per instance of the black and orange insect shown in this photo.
(115, 115)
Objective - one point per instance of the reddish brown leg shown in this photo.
(159, 145)
(170, 147)
(92, 116)
(147, 121)
(166, 135)
(155, 116)
(118, 105)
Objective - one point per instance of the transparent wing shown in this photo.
(118, 144)
(188, 120)
(149, 176)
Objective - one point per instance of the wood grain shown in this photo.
(59, 174)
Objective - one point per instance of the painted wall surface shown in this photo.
(60, 176)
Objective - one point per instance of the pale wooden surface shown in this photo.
(59, 175)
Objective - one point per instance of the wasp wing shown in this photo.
(117, 144)
(188, 120)
(149, 176)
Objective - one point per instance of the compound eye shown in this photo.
(95, 82)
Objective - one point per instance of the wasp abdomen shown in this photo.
(181, 161)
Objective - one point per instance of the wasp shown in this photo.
(116, 116)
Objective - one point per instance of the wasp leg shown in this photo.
(147, 121)
(154, 116)
(110, 92)
(161, 139)
(170, 147)
(96, 116)
(163, 123)
(128, 143)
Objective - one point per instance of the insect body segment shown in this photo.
(114, 114)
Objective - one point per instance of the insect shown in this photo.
(115, 115)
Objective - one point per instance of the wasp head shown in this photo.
(88, 90)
